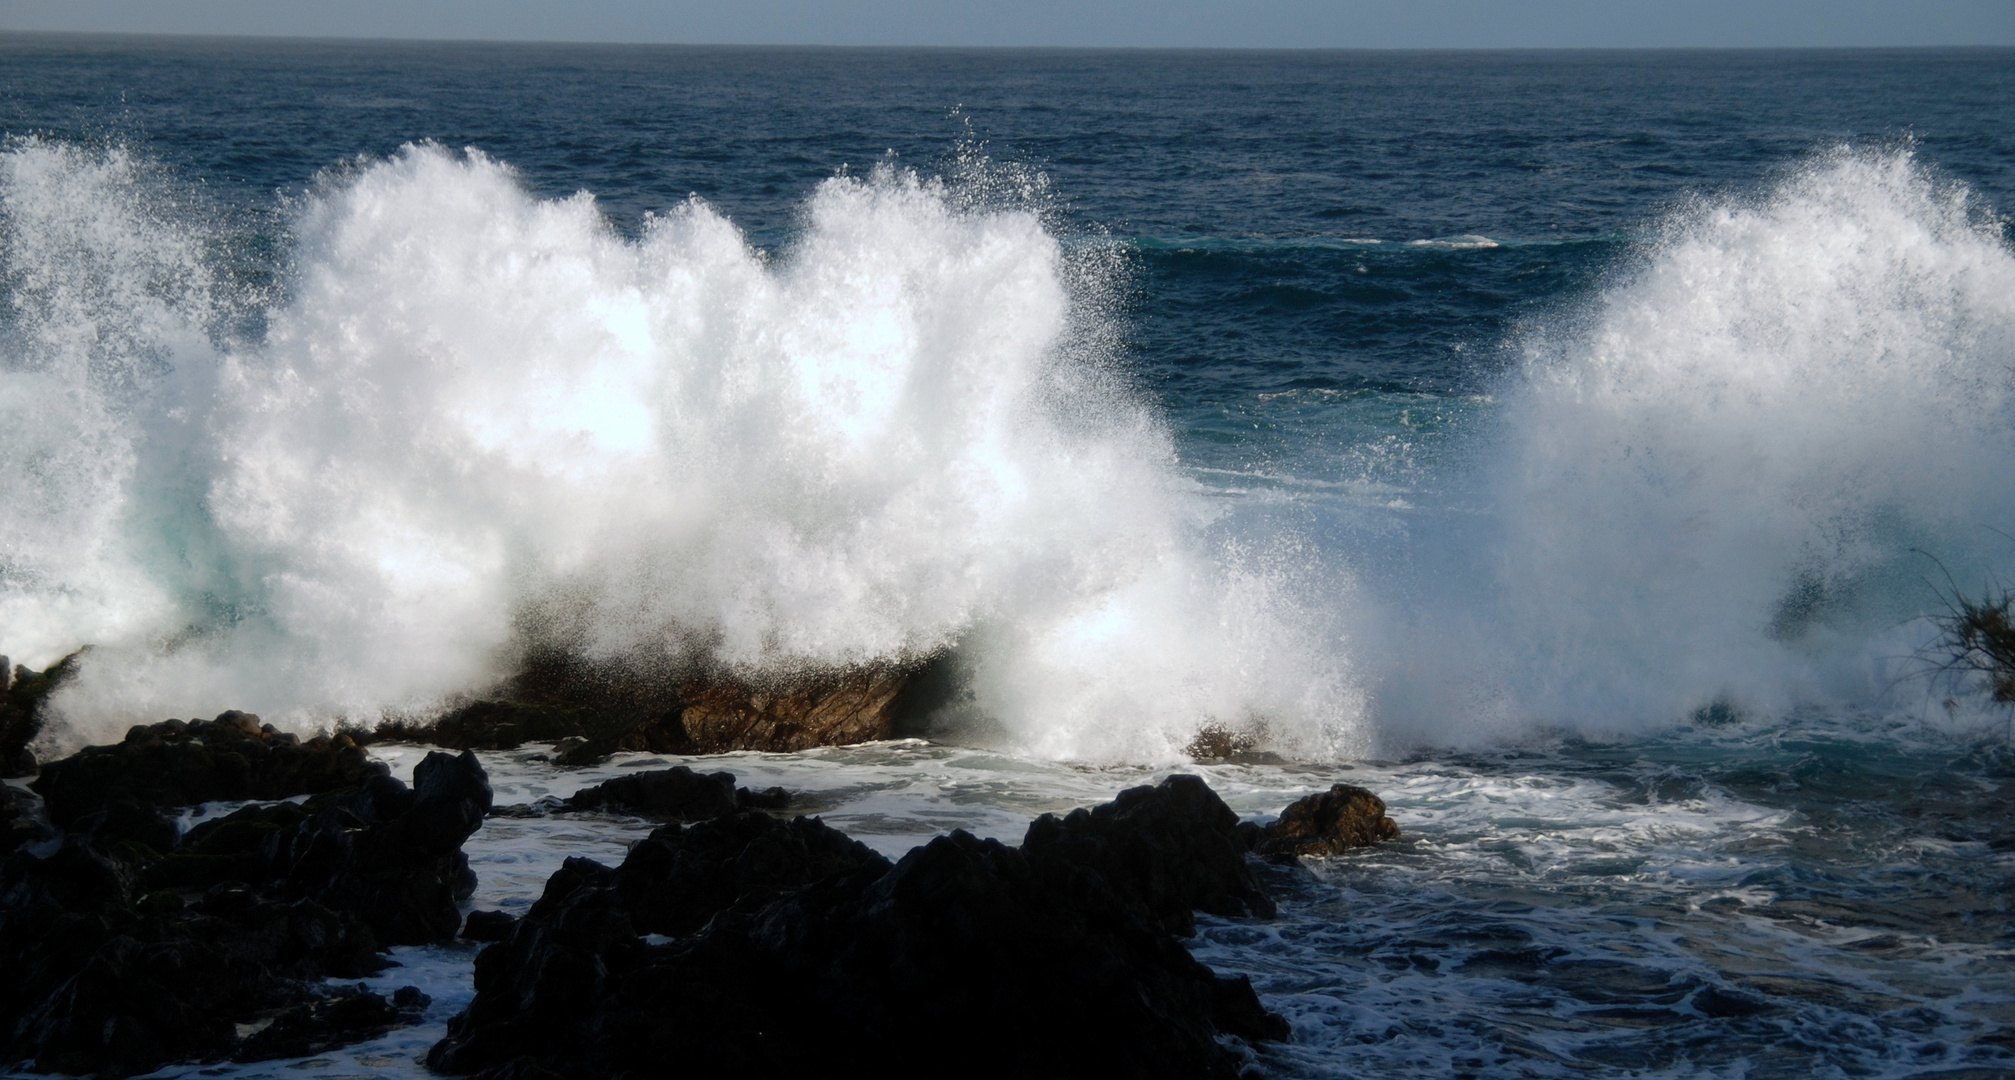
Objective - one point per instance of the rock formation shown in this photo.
(785, 947)
(127, 946)
(1329, 823)
(593, 713)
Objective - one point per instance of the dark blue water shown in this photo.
(1556, 436)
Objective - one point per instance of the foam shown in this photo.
(479, 420)
(1713, 481)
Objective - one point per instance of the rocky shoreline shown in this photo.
(734, 936)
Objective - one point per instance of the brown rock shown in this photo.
(1335, 821)
(833, 710)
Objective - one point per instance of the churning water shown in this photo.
(1567, 447)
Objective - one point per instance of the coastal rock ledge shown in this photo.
(746, 945)
(591, 714)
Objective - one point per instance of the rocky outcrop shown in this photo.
(1329, 823)
(127, 946)
(20, 822)
(23, 694)
(230, 759)
(1176, 847)
(676, 794)
(345, 1015)
(785, 947)
(108, 978)
(389, 854)
(595, 713)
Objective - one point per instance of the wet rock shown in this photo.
(20, 820)
(127, 946)
(21, 704)
(678, 878)
(487, 926)
(1337, 820)
(788, 947)
(676, 794)
(1175, 846)
(347, 1015)
(107, 978)
(387, 853)
(594, 712)
(176, 764)
(834, 710)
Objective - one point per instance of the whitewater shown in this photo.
(1621, 602)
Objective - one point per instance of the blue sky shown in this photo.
(1187, 23)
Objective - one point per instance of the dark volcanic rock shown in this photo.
(610, 709)
(1335, 821)
(350, 1014)
(677, 794)
(105, 978)
(1175, 846)
(487, 926)
(21, 709)
(20, 823)
(175, 764)
(791, 948)
(387, 853)
(127, 947)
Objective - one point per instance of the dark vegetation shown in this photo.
(1975, 643)
(1978, 639)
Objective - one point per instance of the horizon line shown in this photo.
(364, 39)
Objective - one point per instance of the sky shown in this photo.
(1094, 23)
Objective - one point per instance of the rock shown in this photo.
(112, 967)
(676, 794)
(678, 878)
(174, 764)
(389, 854)
(1332, 822)
(20, 820)
(610, 709)
(21, 705)
(487, 926)
(791, 948)
(106, 978)
(347, 1015)
(1174, 845)
(834, 710)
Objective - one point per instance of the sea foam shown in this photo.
(475, 421)
(1718, 481)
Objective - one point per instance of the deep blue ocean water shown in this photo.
(1553, 441)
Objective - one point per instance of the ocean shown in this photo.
(1575, 448)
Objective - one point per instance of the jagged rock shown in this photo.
(176, 764)
(347, 1015)
(388, 853)
(610, 710)
(128, 947)
(1344, 817)
(794, 949)
(22, 699)
(676, 794)
(106, 978)
(854, 707)
(20, 823)
(1174, 845)
(487, 926)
